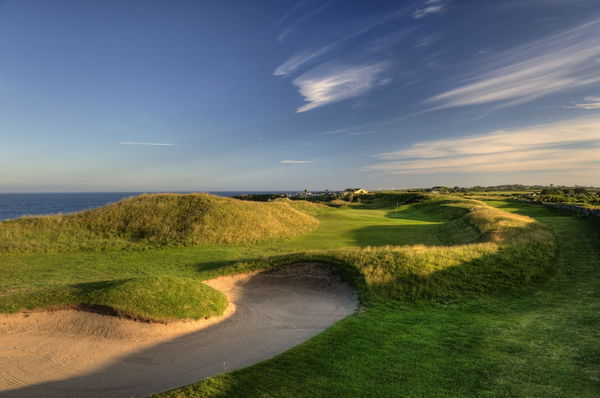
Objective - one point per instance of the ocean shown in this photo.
(14, 205)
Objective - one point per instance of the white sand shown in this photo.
(80, 354)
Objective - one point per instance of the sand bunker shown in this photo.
(79, 354)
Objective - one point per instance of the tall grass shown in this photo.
(158, 220)
(500, 251)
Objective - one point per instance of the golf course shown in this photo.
(397, 294)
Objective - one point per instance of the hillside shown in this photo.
(157, 220)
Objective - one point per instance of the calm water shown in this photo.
(13, 205)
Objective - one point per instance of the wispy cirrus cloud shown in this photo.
(296, 161)
(288, 29)
(567, 146)
(589, 103)
(303, 57)
(350, 131)
(145, 143)
(325, 85)
(428, 8)
(563, 61)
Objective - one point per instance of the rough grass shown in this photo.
(542, 341)
(157, 298)
(509, 252)
(304, 205)
(158, 220)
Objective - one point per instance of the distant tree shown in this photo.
(549, 191)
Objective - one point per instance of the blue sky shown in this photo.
(285, 95)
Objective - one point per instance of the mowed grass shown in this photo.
(542, 341)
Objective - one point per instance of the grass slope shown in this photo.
(157, 220)
(151, 298)
(541, 342)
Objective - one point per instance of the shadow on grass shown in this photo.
(528, 209)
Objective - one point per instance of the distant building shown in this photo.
(355, 191)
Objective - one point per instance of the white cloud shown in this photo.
(590, 103)
(145, 143)
(365, 26)
(429, 7)
(322, 86)
(567, 146)
(563, 61)
(301, 58)
(296, 161)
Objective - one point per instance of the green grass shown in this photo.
(150, 298)
(537, 342)
(337, 228)
(501, 252)
(511, 251)
(459, 300)
(42, 279)
(158, 220)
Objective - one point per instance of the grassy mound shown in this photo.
(157, 220)
(152, 298)
(491, 251)
(304, 205)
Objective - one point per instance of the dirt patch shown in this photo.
(80, 354)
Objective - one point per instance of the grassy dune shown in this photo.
(144, 222)
(157, 220)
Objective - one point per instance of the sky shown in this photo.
(180, 95)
